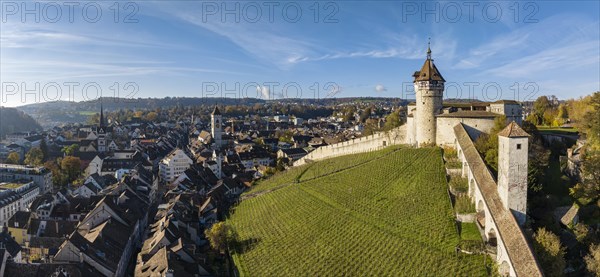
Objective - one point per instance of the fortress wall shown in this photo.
(474, 126)
(359, 145)
(411, 131)
(514, 254)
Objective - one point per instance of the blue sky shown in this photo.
(350, 48)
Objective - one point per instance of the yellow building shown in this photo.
(17, 226)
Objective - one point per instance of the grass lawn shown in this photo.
(458, 183)
(557, 130)
(555, 182)
(388, 215)
(463, 205)
(469, 231)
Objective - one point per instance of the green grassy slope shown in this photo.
(386, 215)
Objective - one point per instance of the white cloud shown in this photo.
(380, 88)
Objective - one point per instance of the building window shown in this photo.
(518, 146)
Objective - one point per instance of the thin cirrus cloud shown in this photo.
(285, 49)
(555, 32)
(570, 57)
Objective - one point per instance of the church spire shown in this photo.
(101, 114)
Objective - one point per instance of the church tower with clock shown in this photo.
(216, 123)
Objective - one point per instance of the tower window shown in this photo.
(518, 146)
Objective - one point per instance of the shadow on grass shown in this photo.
(243, 246)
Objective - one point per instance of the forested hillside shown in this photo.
(13, 120)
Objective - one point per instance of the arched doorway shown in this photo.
(492, 239)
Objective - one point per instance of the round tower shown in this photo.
(429, 90)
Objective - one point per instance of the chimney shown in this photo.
(80, 257)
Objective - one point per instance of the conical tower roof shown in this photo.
(513, 130)
(429, 71)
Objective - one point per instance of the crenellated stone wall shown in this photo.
(359, 145)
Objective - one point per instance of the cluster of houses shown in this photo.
(148, 192)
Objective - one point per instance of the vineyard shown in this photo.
(308, 171)
(378, 214)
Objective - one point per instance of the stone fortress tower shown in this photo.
(216, 132)
(513, 147)
(430, 120)
(429, 89)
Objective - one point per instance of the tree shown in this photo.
(151, 116)
(220, 236)
(577, 108)
(13, 158)
(540, 106)
(58, 178)
(392, 120)
(550, 252)
(562, 115)
(370, 127)
(487, 144)
(592, 260)
(591, 122)
(71, 149)
(590, 172)
(44, 149)
(71, 167)
(35, 157)
(366, 113)
(582, 232)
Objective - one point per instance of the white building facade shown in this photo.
(174, 165)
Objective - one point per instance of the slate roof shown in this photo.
(10, 244)
(104, 243)
(19, 220)
(53, 269)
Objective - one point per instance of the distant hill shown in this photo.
(13, 120)
(384, 213)
(54, 113)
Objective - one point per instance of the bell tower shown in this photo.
(216, 124)
(429, 89)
